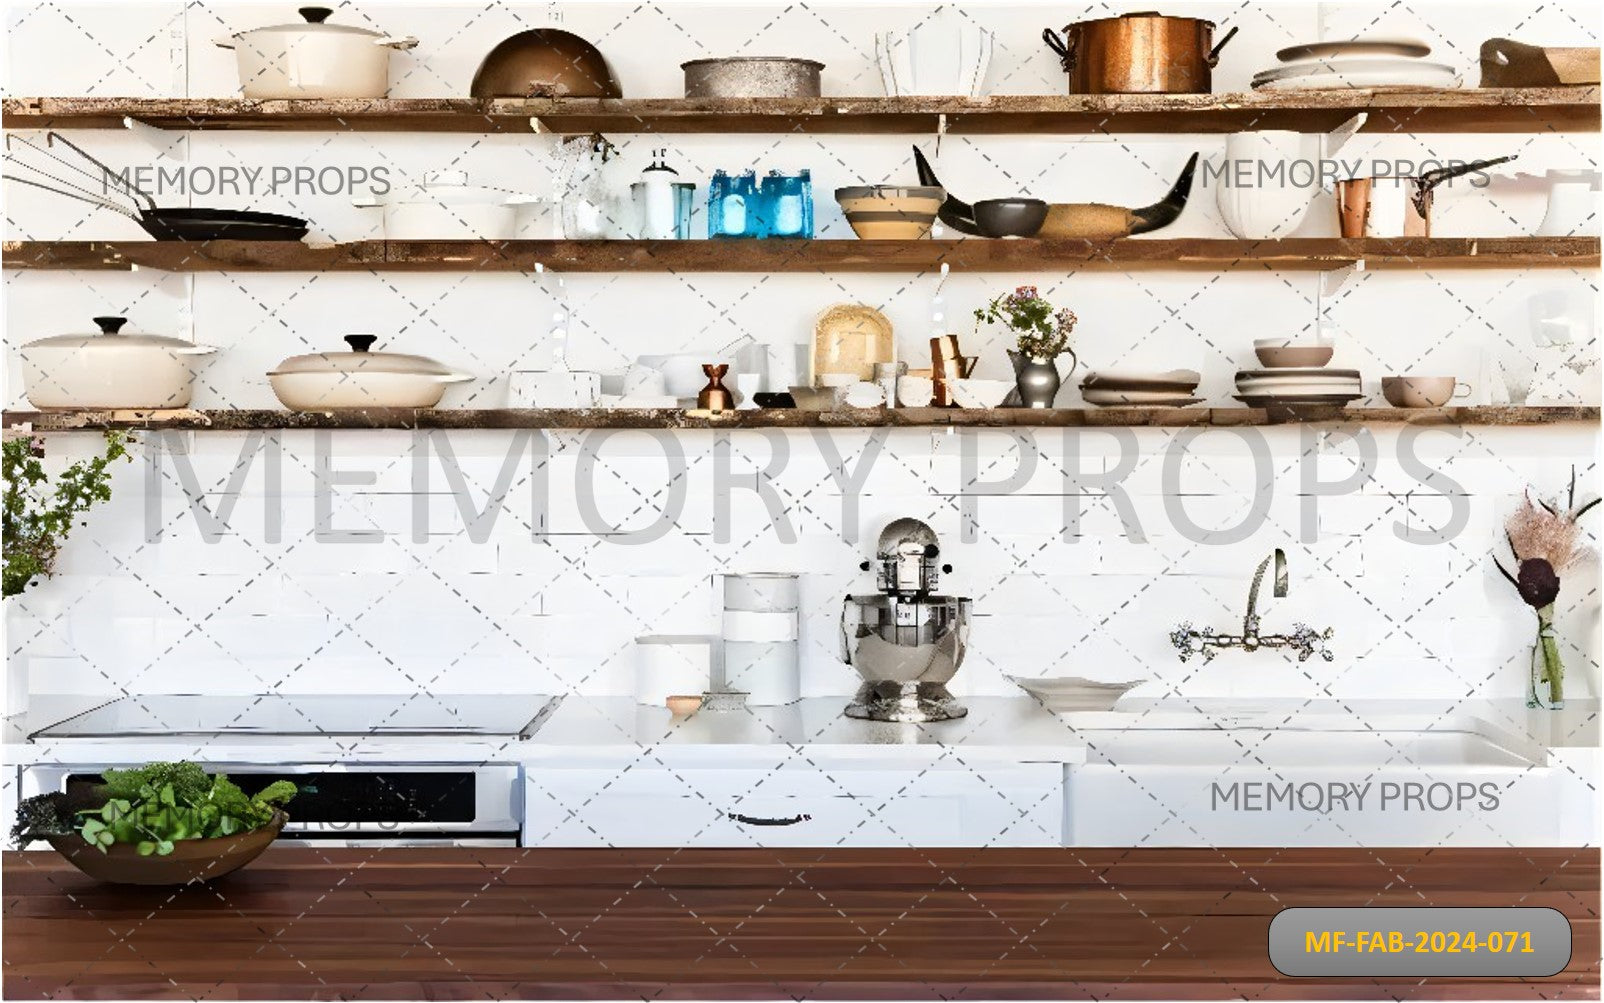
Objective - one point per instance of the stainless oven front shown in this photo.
(366, 804)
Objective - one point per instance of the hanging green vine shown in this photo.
(40, 514)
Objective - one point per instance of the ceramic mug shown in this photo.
(1423, 391)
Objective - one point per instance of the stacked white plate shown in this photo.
(1363, 63)
(1297, 386)
(1114, 388)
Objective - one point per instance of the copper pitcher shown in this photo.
(1140, 53)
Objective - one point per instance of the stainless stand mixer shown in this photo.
(905, 641)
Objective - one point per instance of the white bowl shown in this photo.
(983, 394)
(1065, 694)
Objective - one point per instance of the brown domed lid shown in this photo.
(545, 62)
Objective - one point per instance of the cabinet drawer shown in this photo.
(1018, 805)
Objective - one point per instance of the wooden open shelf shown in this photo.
(974, 255)
(669, 419)
(1402, 110)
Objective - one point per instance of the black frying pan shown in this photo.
(177, 223)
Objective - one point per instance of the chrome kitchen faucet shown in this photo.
(1305, 640)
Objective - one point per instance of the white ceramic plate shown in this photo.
(1063, 694)
(1134, 379)
(1412, 48)
(1248, 374)
(1357, 75)
(1138, 398)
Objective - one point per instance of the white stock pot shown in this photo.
(109, 371)
(313, 59)
(332, 381)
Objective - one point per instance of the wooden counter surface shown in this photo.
(459, 923)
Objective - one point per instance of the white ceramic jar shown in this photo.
(109, 370)
(334, 381)
(313, 59)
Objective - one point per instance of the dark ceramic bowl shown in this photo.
(191, 859)
(1010, 217)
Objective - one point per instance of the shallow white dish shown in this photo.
(1186, 379)
(1137, 398)
(1064, 694)
(982, 394)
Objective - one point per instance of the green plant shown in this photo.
(152, 807)
(38, 516)
(1042, 332)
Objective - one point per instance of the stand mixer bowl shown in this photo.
(906, 649)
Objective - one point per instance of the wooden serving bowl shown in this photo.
(191, 859)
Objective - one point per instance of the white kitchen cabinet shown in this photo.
(815, 803)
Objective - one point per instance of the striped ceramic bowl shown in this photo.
(891, 212)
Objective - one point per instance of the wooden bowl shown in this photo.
(191, 859)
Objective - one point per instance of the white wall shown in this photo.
(558, 615)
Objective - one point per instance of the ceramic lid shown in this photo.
(109, 338)
(361, 360)
(314, 18)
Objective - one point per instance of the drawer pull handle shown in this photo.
(752, 820)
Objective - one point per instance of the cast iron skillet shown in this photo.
(175, 223)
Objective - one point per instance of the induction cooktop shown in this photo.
(332, 715)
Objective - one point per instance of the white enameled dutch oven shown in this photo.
(109, 370)
(331, 381)
(313, 59)
(446, 207)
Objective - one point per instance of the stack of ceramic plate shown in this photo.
(1297, 386)
(1358, 63)
(1109, 388)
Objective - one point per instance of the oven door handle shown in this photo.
(740, 819)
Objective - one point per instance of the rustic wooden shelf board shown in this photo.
(1405, 110)
(235, 420)
(907, 256)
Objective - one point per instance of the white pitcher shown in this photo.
(1281, 175)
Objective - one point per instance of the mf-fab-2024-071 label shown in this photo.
(1509, 943)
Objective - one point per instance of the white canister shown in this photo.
(765, 670)
(668, 665)
(764, 591)
(752, 625)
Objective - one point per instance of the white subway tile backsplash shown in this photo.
(544, 604)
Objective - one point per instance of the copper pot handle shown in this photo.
(1214, 53)
(1065, 47)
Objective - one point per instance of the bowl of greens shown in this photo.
(160, 824)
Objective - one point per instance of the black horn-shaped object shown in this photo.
(954, 212)
(1166, 211)
(960, 215)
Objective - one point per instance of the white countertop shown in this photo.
(997, 729)
(606, 730)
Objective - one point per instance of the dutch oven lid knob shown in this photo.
(361, 342)
(110, 325)
(316, 15)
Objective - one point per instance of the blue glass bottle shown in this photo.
(791, 200)
(744, 214)
(718, 190)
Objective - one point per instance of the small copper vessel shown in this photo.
(715, 396)
(947, 362)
